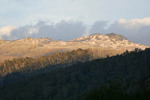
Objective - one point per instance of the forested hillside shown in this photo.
(129, 71)
(30, 64)
(21, 68)
(115, 93)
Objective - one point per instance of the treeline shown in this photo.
(129, 71)
(29, 64)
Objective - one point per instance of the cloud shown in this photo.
(32, 30)
(6, 30)
(136, 30)
(64, 30)
(21, 32)
(144, 21)
(134, 23)
(98, 26)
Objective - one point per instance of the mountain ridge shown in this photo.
(30, 47)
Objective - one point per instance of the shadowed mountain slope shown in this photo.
(130, 70)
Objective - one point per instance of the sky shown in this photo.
(69, 19)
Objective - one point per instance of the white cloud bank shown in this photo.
(137, 30)
(6, 30)
(134, 23)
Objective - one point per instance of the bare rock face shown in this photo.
(99, 43)
(116, 36)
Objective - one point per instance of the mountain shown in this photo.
(32, 57)
(98, 43)
(111, 40)
(118, 78)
